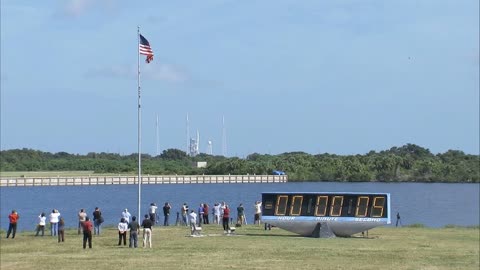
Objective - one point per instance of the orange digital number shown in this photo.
(362, 206)
(296, 205)
(281, 206)
(321, 206)
(268, 205)
(377, 207)
(336, 208)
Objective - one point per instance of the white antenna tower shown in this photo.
(209, 148)
(188, 138)
(197, 150)
(224, 138)
(157, 137)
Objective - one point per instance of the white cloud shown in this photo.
(111, 72)
(78, 8)
(165, 72)
(157, 72)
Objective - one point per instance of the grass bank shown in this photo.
(49, 173)
(251, 248)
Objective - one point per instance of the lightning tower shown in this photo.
(197, 150)
(187, 149)
(224, 138)
(157, 137)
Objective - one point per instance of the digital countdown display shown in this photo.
(325, 205)
(324, 213)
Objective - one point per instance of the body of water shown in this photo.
(434, 205)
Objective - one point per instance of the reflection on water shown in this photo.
(433, 205)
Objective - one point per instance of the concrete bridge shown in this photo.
(146, 180)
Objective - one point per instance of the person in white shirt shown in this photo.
(193, 217)
(216, 213)
(184, 214)
(126, 215)
(42, 221)
(54, 218)
(222, 208)
(152, 211)
(82, 215)
(122, 232)
(193, 222)
(258, 212)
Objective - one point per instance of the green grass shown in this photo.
(251, 248)
(52, 174)
(415, 225)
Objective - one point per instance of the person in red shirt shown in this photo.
(12, 227)
(205, 214)
(226, 218)
(87, 233)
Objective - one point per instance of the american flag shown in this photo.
(145, 49)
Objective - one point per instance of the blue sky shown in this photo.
(342, 77)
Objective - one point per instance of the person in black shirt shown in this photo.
(147, 231)
(166, 213)
(97, 220)
(398, 220)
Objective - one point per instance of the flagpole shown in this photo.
(139, 127)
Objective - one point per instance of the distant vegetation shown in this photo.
(409, 163)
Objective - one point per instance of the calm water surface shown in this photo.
(433, 205)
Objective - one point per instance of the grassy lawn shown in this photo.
(51, 174)
(251, 248)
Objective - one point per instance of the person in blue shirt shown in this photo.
(200, 215)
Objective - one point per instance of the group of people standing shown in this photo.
(152, 212)
(129, 223)
(85, 225)
(220, 212)
(126, 225)
(88, 228)
(57, 225)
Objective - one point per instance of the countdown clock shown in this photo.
(340, 214)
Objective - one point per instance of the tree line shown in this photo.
(408, 163)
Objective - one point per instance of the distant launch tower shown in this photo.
(194, 146)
